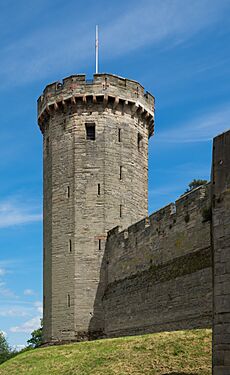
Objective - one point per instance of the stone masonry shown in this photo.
(95, 178)
(109, 268)
(159, 270)
(221, 254)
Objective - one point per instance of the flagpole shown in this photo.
(96, 49)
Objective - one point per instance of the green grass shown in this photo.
(174, 353)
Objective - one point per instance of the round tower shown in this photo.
(95, 152)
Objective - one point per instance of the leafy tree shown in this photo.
(5, 351)
(36, 337)
(195, 183)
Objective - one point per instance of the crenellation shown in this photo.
(77, 225)
(110, 269)
(107, 86)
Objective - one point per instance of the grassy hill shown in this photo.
(174, 353)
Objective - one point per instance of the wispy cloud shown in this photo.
(5, 291)
(153, 22)
(28, 326)
(164, 190)
(201, 129)
(50, 48)
(31, 324)
(39, 307)
(14, 212)
(13, 312)
(21, 309)
(2, 271)
(29, 292)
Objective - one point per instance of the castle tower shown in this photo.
(95, 150)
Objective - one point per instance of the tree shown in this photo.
(195, 183)
(36, 337)
(5, 350)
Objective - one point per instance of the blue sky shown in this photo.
(177, 49)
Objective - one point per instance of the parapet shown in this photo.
(199, 197)
(109, 89)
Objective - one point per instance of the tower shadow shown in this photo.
(97, 322)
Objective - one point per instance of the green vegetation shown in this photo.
(195, 183)
(36, 337)
(5, 350)
(172, 353)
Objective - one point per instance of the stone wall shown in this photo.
(221, 254)
(90, 186)
(159, 270)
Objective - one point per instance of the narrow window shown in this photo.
(90, 131)
(98, 189)
(120, 172)
(70, 246)
(68, 300)
(68, 192)
(139, 141)
(119, 135)
(99, 244)
(47, 145)
(120, 210)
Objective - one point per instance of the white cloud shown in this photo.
(153, 22)
(38, 305)
(2, 272)
(200, 129)
(14, 212)
(5, 291)
(28, 326)
(29, 292)
(17, 308)
(13, 312)
(146, 22)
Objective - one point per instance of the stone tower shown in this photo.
(95, 142)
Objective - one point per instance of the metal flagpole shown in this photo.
(96, 49)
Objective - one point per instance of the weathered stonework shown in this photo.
(90, 186)
(159, 273)
(109, 269)
(221, 254)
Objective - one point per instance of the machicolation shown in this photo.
(110, 269)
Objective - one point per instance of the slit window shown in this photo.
(99, 244)
(47, 145)
(90, 131)
(68, 300)
(120, 210)
(120, 172)
(119, 135)
(68, 192)
(139, 141)
(98, 189)
(70, 246)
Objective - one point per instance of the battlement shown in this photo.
(113, 91)
(181, 208)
